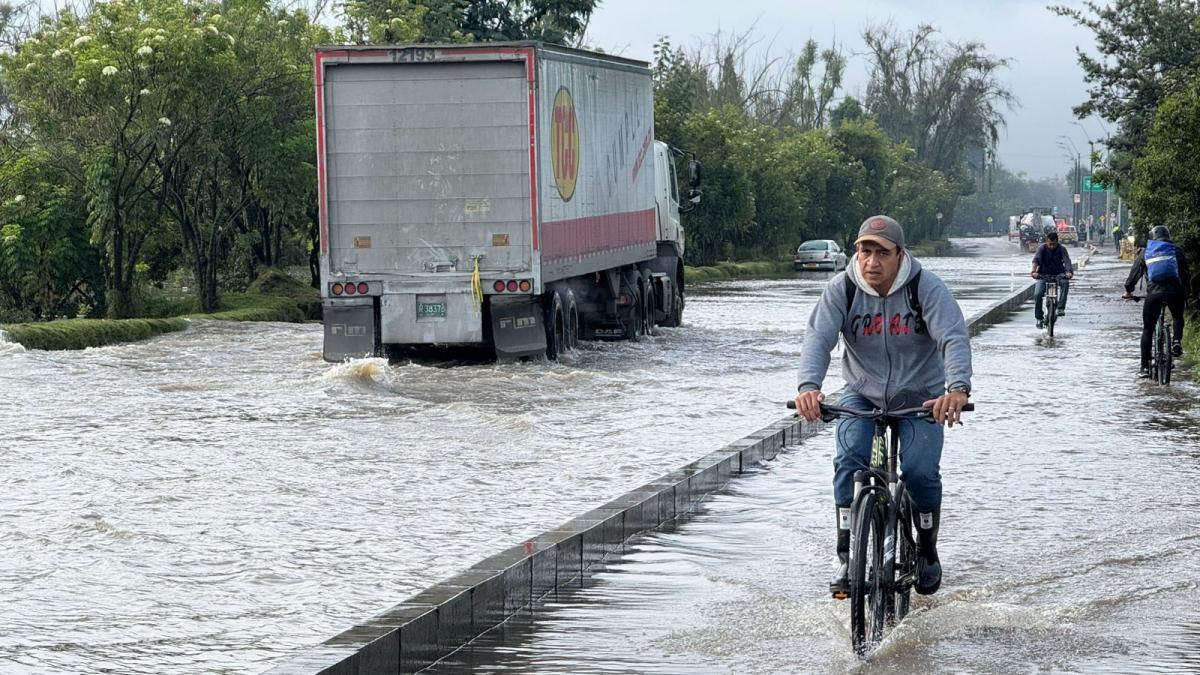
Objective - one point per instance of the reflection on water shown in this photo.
(1069, 539)
(210, 500)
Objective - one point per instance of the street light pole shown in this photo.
(1076, 209)
(1091, 168)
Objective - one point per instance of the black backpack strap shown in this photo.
(851, 290)
(914, 302)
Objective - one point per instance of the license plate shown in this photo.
(426, 310)
(810, 264)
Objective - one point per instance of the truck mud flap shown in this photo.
(349, 331)
(517, 328)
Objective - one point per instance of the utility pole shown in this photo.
(1076, 185)
(1091, 167)
(1091, 178)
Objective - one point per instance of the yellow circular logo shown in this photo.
(564, 144)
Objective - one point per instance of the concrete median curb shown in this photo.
(990, 316)
(446, 616)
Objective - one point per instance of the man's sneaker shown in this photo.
(839, 585)
(1176, 350)
(1040, 324)
(1144, 374)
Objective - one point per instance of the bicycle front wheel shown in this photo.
(1051, 315)
(867, 593)
(906, 558)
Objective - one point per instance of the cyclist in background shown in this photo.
(1051, 259)
(1167, 281)
(906, 344)
(1116, 233)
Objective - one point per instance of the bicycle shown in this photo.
(883, 544)
(1050, 302)
(1162, 361)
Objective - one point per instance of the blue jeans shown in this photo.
(920, 456)
(1039, 292)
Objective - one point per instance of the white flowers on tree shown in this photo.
(145, 50)
(109, 70)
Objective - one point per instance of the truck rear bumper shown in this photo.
(449, 316)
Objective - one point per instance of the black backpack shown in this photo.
(914, 302)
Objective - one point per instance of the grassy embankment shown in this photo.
(742, 270)
(274, 296)
(1191, 341)
(739, 270)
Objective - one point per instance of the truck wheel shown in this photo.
(555, 326)
(675, 316)
(634, 323)
(571, 315)
(647, 307)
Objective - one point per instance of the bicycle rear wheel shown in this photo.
(1165, 359)
(867, 602)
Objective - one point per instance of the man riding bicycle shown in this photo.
(1168, 280)
(1051, 260)
(906, 344)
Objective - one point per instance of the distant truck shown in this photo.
(507, 195)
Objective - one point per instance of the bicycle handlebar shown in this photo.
(840, 411)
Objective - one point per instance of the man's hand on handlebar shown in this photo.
(947, 408)
(808, 405)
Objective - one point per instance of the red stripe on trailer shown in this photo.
(579, 237)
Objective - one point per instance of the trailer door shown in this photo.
(427, 167)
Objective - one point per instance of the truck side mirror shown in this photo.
(694, 174)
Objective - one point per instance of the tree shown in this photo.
(221, 162)
(938, 97)
(1144, 45)
(83, 91)
(397, 21)
(1166, 178)
(805, 101)
(47, 266)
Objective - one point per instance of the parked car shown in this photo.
(820, 254)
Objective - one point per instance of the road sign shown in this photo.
(1078, 198)
(1089, 186)
(989, 220)
(939, 215)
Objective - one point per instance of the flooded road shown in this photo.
(212, 500)
(1069, 538)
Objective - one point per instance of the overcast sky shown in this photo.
(1044, 74)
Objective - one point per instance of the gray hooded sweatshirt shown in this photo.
(888, 358)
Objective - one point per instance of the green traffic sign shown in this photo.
(1089, 186)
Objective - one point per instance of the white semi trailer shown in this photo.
(509, 195)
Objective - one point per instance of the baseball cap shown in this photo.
(882, 230)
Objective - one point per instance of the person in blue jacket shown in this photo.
(1168, 282)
